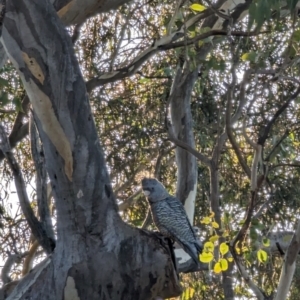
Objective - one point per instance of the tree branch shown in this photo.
(268, 127)
(285, 135)
(129, 201)
(11, 260)
(28, 261)
(215, 32)
(258, 293)
(229, 132)
(163, 44)
(36, 227)
(19, 130)
(37, 153)
(202, 158)
(289, 266)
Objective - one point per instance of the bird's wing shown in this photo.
(176, 223)
(179, 215)
(174, 220)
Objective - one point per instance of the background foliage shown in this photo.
(130, 117)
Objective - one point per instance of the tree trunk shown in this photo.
(97, 255)
(182, 121)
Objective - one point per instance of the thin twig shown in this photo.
(259, 294)
(229, 132)
(202, 158)
(268, 127)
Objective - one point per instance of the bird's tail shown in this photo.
(199, 247)
(193, 250)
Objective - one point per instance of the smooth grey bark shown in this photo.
(289, 265)
(74, 12)
(182, 123)
(97, 255)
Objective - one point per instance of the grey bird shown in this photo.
(170, 217)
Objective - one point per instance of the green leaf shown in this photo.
(260, 13)
(197, 7)
(252, 10)
(253, 233)
(291, 4)
(296, 35)
(3, 82)
(250, 56)
(3, 99)
(144, 80)
(18, 103)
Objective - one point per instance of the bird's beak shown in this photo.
(146, 193)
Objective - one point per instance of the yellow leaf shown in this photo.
(238, 248)
(215, 224)
(230, 259)
(224, 248)
(212, 214)
(266, 242)
(224, 264)
(245, 249)
(197, 7)
(225, 234)
(205, 220)
(188, 294)
(217, 268)
(192, 34)
(209, 247)
(200, 43)
(244, 57)
(251, 56)
(206, 257)
(262, 255)
(214, 238)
